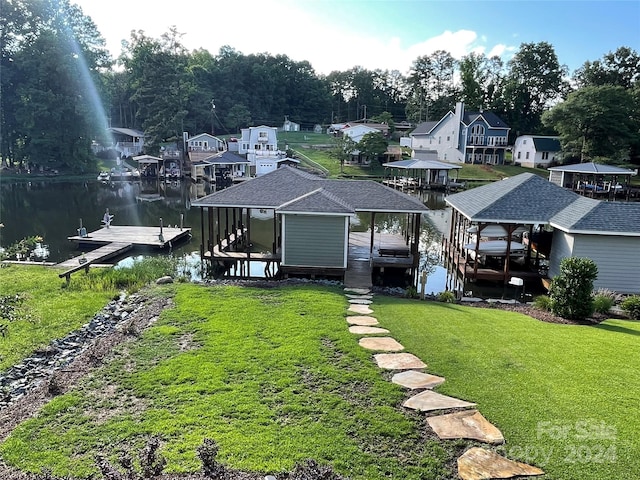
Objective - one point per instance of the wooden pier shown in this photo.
(116, 240)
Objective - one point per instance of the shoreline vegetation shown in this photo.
(271, 374)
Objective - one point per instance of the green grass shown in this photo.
(332, 165)
(564, 396)
(496, 172)
(48, 312)
(272, 375)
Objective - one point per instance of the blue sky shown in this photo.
(385, 34)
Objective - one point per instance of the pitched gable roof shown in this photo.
(547, 144)
(226, 158)
(424, 128)
(530, 199)
(490, 118)
(593, 168)
(286, 184)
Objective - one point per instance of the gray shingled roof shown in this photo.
(530, 199)
(491, 118)
(286, 184)
(593, 168)
(318, 201)
(226, 158)
(547, 144)
(126, 131)
(424, 128)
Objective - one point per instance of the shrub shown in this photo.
(631, 306)
(602, 303)
(543, 302)
(571, 290)
(447, 297)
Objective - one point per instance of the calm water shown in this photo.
(53, 209)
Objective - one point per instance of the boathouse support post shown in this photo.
(218, 239)
(248, 243)
(373, 230)
(202, 235)
(275, 232)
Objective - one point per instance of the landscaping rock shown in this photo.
(428, 400)
(357, 291)
(360, 301)
(356, 297)
(164, 280)
(362, 321)
(398, 361)
(361, 309)
(413, 379)
(481, 464)
(468, 424)
(364, 330)
(381, 344)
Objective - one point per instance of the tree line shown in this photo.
(60, 89)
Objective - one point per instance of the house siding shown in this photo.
(314, 241)
(616, 258)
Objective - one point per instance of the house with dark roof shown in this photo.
(126, 141)
(557, 223)
(536, 151)
(463, 137)
(311, 220)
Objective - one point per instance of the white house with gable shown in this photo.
(536, 150)
(259, 143)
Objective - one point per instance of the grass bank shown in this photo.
(563, 395)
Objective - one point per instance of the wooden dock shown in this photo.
(137, 236)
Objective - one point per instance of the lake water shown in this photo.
(53, 210)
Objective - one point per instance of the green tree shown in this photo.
(372, 145)
(238, 117)
(596, 122)
(432, 87)
(387, 119)
(481, 81)
(571, 290)
(535, 80)
(343, 148)
(620, 68)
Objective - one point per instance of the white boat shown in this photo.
(495, 248)
(104, 177)
(496, 231)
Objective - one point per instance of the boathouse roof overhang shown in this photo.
(421, 165)
(528, 199)
(287, 188)
(592, 168)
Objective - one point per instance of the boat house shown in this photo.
(311, 226)
(524, 226)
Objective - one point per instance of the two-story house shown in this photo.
(463, 137)
(258, 144)
(536, 150)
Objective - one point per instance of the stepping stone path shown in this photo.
(381, 344)
(360, 301)
(413, 379)
(480, 464)
(364, 330)
(357, 291)
(361, 309)
(475, 463)
(362, 321)
(428, 400)
(468, 424)
(398, 361)
(363, 297)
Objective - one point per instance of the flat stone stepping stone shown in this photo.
(361, 309)
(363, 297)
(362, 320)
(364, 330)
(398, 361)
(413, 379)
(468, 424)
(381, 344)
(481, 464)
(360, 301)
(429, 400)
(357, 291)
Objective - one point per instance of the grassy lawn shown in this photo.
(48, 311)
(496, 172)
(564, 396)
(273, 375)
(332, 165)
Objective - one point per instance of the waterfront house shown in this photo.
(127, 141)
(541, 223)
(463, 136)
(536, 151)
(259, 143)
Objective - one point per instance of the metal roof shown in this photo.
(285, 185)
(126, 131)
(421, 165)
(530, 199)
(593, 168)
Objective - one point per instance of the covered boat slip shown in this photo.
(420, 174)
(310, 218)
(594, 179)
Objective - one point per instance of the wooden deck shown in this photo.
(138, 236)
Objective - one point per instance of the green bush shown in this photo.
(543, 302)
(447, 297)
(631, 306)
(602, 303)
(571, 290)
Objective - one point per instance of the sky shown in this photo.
(377, 34)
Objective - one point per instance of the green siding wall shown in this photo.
(314, 241)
